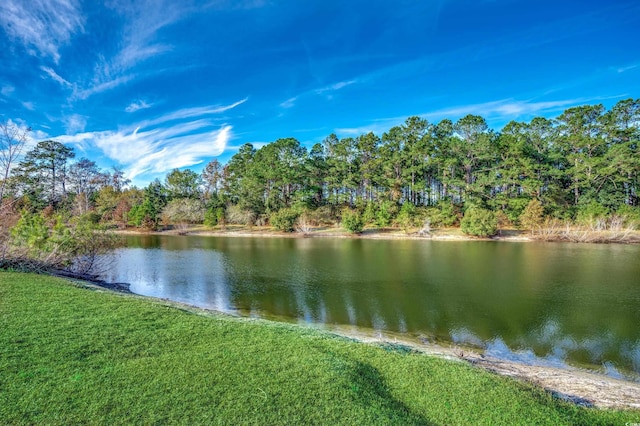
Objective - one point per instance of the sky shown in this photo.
(154, 85)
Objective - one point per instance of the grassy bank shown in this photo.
(71, 355)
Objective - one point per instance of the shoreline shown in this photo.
(445, 234)
(578, 386)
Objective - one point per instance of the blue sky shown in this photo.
(154, 85)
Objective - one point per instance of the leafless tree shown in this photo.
(12, 140)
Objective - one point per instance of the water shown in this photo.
(538, 303)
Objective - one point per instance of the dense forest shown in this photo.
(582, 165)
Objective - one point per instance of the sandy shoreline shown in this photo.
(327, 232)
(447, 234)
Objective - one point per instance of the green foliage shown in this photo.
(369, 215)
(51, 243)
(479, 222)
(214, 216)
(31, 232)
(89, 357)
(406, 217)
(444, 215)
(533, 215)
(589, 212)
(631, 215)
(284, 219)
(385, 213)
(147, 214)
(352, 221)
(183, 184)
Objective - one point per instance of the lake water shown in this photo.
(539, 303)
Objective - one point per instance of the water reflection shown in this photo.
(550, 303)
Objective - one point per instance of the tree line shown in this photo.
(581, 165)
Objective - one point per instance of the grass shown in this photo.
(69, 355)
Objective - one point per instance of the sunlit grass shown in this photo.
(71, 355)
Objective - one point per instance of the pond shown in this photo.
(538, 303)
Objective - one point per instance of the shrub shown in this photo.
(532, 216)
(590, 212)
(631, 215)
(352, 221)
(448, 214)
(406, 217)
(214, 216)
(385, 213)
(34, 245)
(284, 219)
(183, 211)
(369, 215)
(479, 222)
(236, 215)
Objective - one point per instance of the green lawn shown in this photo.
(70, 355)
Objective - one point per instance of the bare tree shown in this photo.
(12, 140)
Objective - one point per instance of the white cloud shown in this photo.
(75, 123)
(99, 88)
(138, 105)
(325, 91)
(505, 108)
(289, 103)
(334, 87)
(7, 90)
(42, 26)
(185, 113)
(29, 106)
(178, 139)
(627, 68)
(157, 150)
(144, 19)
(55, 77)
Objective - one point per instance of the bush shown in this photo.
(323, 215)
(447, 214)
(214, 216)
(284, 219)
(183, 211)
(479, 222)
(532, 216)
(386, 211)
(406, 217)
(631, 215)
(590, 212)
(236, 215)
(34, 245)
(369, 215)
(352, 221)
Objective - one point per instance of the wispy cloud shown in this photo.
(627, 68)
(42, 26)
(178, 139)
(289, 103)
(334, 87)
(75, 123)
(500, 110)
(28, 105)
(99, 88)
(186, 113)
(322, 91)
(138, 105)
(7, 90)
(55, 76)
(506, 108)
(156, 151)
